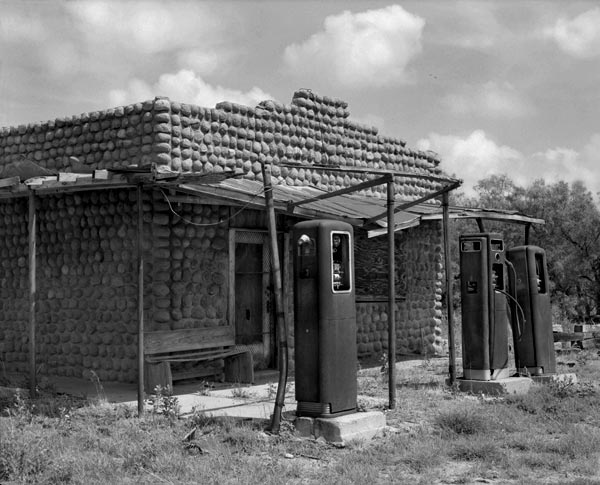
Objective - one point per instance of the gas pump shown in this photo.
(484, 307)
(325, 318)
(534, 342)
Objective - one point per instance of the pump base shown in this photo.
(351, 427)
(319, 410)
(511, 385)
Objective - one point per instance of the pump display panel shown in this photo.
(341, 264)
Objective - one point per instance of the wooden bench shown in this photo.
(193, 345)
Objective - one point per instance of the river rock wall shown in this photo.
(418, 285)
(187, 138)
(87, 288)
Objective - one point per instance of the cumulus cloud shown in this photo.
(187, 87)
(371, 48)
(148, 27)
(473, 157)
(477, 156)
(579, 36)
(189, 33)
(370, 119)
(568, 164)
(492, 100)
(200, 61)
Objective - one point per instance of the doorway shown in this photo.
(251, 295)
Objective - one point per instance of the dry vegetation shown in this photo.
(435, 435)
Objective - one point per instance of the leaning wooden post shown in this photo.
(140, 310)
(32, 293)
(280, 313)
(448, 269)
(391, 294)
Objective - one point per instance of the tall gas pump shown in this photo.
(484, 306)
(532, 319)
(325, 318)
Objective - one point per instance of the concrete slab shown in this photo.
(510, 385)
(342, 429)
(240, 401)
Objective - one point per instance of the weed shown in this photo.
(92, 376)
(205, 388)
(461, 422)
(240, 392)
(162, 402)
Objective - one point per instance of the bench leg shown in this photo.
(240, 368)
(157, 374)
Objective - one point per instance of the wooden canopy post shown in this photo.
(282, 354)
(140, 306)
(32, 294)
(391, 294)
(448, 271)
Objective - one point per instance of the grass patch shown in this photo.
(436, 434)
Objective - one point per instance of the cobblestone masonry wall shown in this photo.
(418, 286)
(87, 279)
(183, 137)
(190, 272)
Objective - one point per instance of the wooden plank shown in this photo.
(158, 374)
(188, 339)
(9, 182)
(575, 336)
(214, 371)
(240, 368)
(209, 354)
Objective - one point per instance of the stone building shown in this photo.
(205, 254)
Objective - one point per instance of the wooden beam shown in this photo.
(372, 171)
(480, 225)
(448, 273)
(408, 205)
(280, 313)
(32, 294)
(347, 190)
(140, 306)
(391, 297)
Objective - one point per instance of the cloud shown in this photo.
(17, 27)
(187, 87)
(477, 156)
(185, 35)
(578, 37)
(370, 119)
(490, 100)
(147, 27)
(569, 164)
(475, 26)
(473, 157)
(371, 48)
(200, 60)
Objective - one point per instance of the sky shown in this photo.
(494, 87)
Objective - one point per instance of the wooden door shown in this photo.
(250, 297)
(248, 294)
